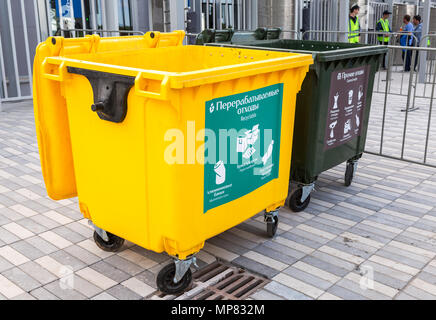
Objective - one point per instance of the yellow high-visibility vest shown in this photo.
(353, 36)
(385, 26)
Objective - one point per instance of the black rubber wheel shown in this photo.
(349, 174)
(113, 245)
(271, 227)
(165, 280)
(295, 203)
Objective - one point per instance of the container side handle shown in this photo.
(140, 83)
(160, 40)
(54, 72)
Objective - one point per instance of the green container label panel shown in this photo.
(242, 144)
(347, 101)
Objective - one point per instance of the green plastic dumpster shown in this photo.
(229, 35)
(332, 110)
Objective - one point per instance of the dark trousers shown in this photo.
(407, 57)
(384, 56)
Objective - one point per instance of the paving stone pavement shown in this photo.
(373, 240)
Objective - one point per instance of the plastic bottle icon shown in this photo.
(360, 92)
(347, 126)
(268, 153)
(350, 97)
(220, 170)
(332, 127)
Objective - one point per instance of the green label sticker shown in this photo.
(242, 144)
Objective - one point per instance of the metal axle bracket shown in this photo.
(182, 266)
(100, 232)
(355, 164)
(269, 216)
(306, 191)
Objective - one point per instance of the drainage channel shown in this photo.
(219, 281)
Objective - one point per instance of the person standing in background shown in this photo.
(383, 25)
(354, 25)
(417, 32)
(406, 40)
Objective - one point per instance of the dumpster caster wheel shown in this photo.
(349, 174)
(113, 245)
(295, 203)
(271, 227)
(165, 280)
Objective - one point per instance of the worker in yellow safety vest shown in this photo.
(354, 25)
(383, 25)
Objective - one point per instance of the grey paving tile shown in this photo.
(308, 278)
(367, 293)
(230, 246)
(401, 259)
(103, 296)
(22, 279)
(67, 259)
(333, 260)
(284, 249)
(63, 292)
(344, 215)
(27, 250)
(70, 213)
(159, 258)
(339, 226)
(5, 264)
(344, 247)
(369, 234)
(255, 267)
(85, 287)
(365, 203)
(427, 277)
(37, 272)
(325, 266)
(324, 227)
(418, 293)
(82, 254)
(69, 234)
(24, 296)
(274, 254)
(285, 292)
(80, 229)
(149, 278)
(31, 225)
(110, 271)
(124, 265)
(404, 296)
(120, 292)
(235, 239)
(304, 238)
(265, 295)
(42, 245)
(44, 221)
(427, 245)
(7, 237)
(430, 269)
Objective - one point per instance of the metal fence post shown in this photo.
(344, 11)
(177, 15)
(425, 30)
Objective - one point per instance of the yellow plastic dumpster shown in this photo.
(165, 145)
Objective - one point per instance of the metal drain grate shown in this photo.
(220, 281)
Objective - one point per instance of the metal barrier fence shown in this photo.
(402, 114)
(400, 125)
